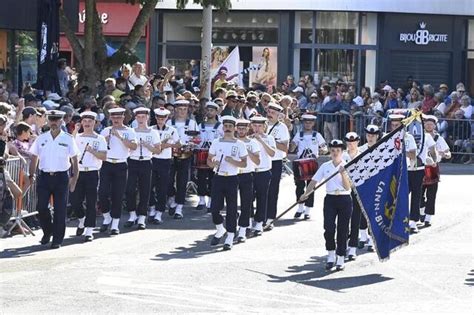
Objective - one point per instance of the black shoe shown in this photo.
(351, 257)
(209, 210)
(413, 231)
(79, 231)
(307, 217)
(241, 239)
(178, 216)
(215, 241)
(88, 238)
(45, 239)
(114, 232)
(55, 246)
(340, 268)
(422, 218)
(172, 211)
(329, 266)
(427, 224)
(361, 244)
(370, 248)
(227, 247)
(269, 227)
(104, 228)
(156, 221)
(297, 215)
(200, 207)
(257, 233)
(129, 224)
(141, 226)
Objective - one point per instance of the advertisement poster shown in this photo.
(263, 69)
(218, 55)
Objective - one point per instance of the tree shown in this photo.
(92, 62)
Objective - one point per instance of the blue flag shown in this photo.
(380, 182)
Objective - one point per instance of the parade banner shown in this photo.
(233, 66)
(380, 181)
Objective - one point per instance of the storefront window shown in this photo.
(304, 27)
(335, 64)
(305, 62)
(337, 27)
(369, 28)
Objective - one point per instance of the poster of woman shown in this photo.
(265, 62)
(218, 55)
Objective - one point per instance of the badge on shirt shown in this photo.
(63, 144)
(234, 151)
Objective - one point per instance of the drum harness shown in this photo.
(206, 144)
(306, 150)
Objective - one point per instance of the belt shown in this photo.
(338, 193)
(114, 161)
(137, 159)
(242, 173)
(225, 174)
(89, 169)
(261, 171)
(53, 173)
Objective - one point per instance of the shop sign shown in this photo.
(423, 36)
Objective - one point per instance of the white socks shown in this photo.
(179, 209)
(89, 231)
(370, 242)
(340, 261)
(331, 255)
(229, 240)
(422, 211)
(220, 230)
(242, 232)
(300, 208)
(363, 235)
(115, 224)
(307, 210)
(132, 216)
(141, 219)
(81, 222)
(171, 202)
(152, 211)
(158, 216)
(107, 218)
(412, 224)
(202, 200)
(208, 205)
(428, 218)
(352, 251)
(258, 226)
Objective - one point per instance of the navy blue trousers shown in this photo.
(139, 176)
(340, 208)
(159, 183)
(180, 172)
(225, 188)
(261, 184)
(86, 188)
(246, 198)
(274, 189)
(113, 182)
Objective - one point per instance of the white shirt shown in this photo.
(89, 161)
(281, 134)
(134, 79)
(253, 147)
(151, 137)
(209, 132)
(118, 150)
(347, 157)
(235, 149)
(171, 135)
(265, 159)
(334, 185)
(309, 144)
(467, 111)
(54, 154)
(181, 127)
(441, 146)
(410, 143)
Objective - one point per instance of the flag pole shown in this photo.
(405, 122)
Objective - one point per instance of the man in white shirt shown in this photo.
(279, 131)
(337, 204)
(57, 152)
(93, 148)
(226, 156)
(140, 169)
(137, 77)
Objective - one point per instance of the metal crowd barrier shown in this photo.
(26, 205)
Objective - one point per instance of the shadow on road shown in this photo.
(197, 249)
(470, 281)
(312, 272)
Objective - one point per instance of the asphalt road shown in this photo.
(172, 268)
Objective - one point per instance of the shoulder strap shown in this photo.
(203, 127)
(186, 124)
(273, 127)
(173, 122)
(218, 123)
(314, 136)
(301, 135)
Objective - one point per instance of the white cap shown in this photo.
(308, 117)
(396, 116)
(432, 118)
(387, 88)
(181, 103)
(55, 113)
(212, 105)
(372, 129)
(275, 107)
(89, 114)
(314, 95)
(359, 101)
(141, 110)
(336, 143)
(258, 119)
(298, 89)
(54, 97)
(351, 136)
(229, 119)
(243, 122)
(161, 111)
(49, 104)
(116, 111)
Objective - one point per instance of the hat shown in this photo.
(229, 119)
(275, 107)
(28, 111)
(88, 114)
(387, 88)
(49, 104)
(258, 119)
(396, 117)
(141, 110)
(231, 94)
(314, 95)
(181, 103)
(430, 118)
(336, 143)
(298, 89)
(116, 111)
(359, 101)
(243, 122)
(54, 97)
(55, 114)
(351, 136)
(372, 129)
(212, 105)
(308, 117)
(161, 111)
(443, 86)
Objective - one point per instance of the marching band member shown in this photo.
(226, 155)
(140, 168)
(262, 175)
(93, 148)
(210, 129)
(337, 204)
(430, 182)
(309, 143)
(57, 152)
(246, 177)
(162, 164)
(182, 162)
(352, 144)
(372, 134)
(113, 174)
(279, 131)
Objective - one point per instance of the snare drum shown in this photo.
(431, 175)
(304, 169)
(182, 153)
(200, 158)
